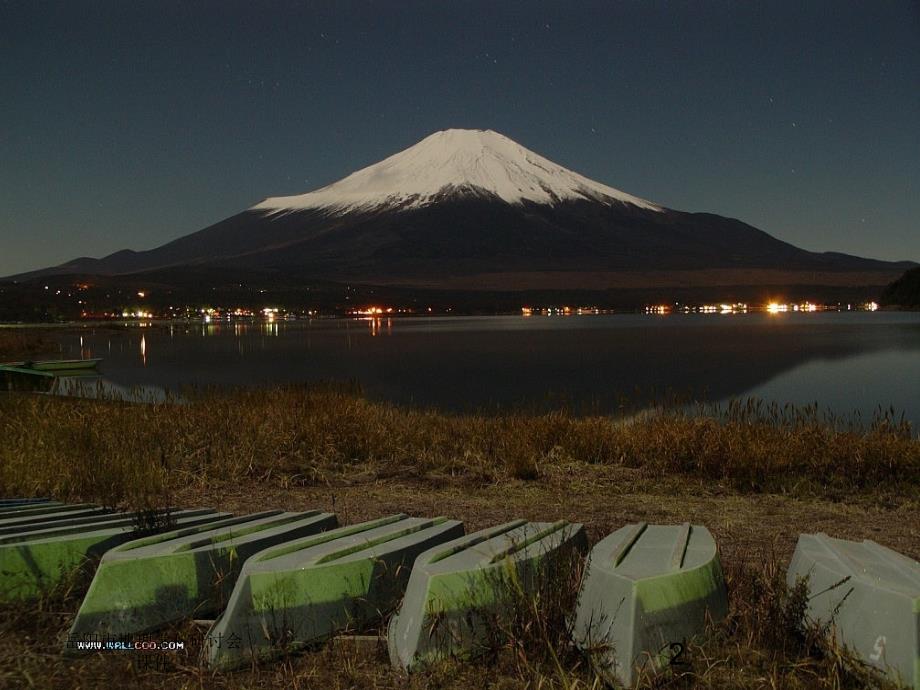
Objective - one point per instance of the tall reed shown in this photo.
(116, 452)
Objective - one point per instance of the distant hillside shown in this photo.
(904, 292)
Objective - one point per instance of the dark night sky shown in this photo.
(127, 124)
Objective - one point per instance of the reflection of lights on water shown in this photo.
(375, 322)
(86, 352)
(144, 350)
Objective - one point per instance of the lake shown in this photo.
(849, 363)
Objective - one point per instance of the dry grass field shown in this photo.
(757, 476)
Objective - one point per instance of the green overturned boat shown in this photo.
(647, 588)
(20, 527)
(459, 590)
(869, 596)
(148, 583)
(75, 526)
(34, 562)
(304, 591)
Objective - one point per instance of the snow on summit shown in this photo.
(453, 160)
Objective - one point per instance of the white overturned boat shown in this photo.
(303, 591)
(459, 590)
(647, 588)
(869, 595)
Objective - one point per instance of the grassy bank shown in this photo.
(756, 476)
(115, 452)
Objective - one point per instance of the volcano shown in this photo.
(474, 210)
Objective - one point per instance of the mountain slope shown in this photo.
(451, 162)
(461, 204)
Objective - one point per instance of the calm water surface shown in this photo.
(846, 362)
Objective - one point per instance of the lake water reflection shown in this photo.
(847, 362)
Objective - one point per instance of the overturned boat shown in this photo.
(50, 509)
(145, 584)
(868, 597)
(647, 588)
(33, 562)
(461, 592)
(306, 590)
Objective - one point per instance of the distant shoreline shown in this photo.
(162, 321)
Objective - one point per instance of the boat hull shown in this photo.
(647, 589)
(303, 592)
(868, 596)
(140, 587)
(35, 562)
(459, 591)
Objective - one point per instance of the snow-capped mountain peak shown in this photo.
(450, 161)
